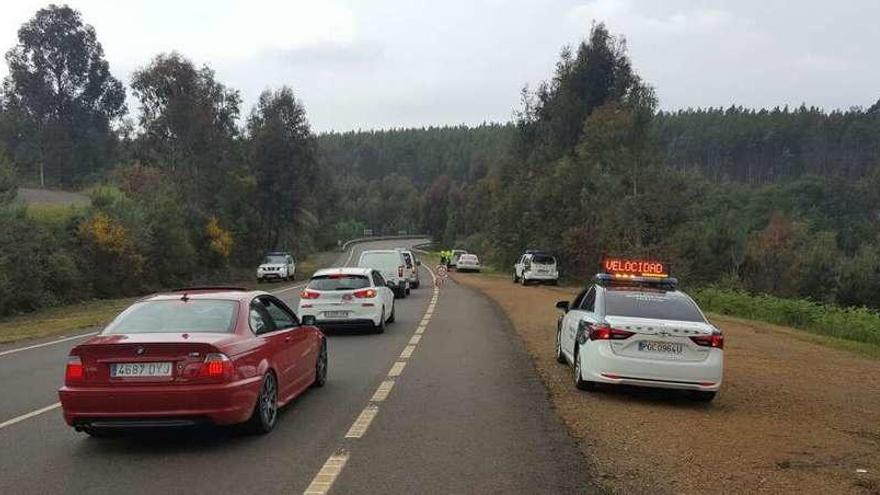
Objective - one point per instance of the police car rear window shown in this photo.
(339, 282)
(543, 259)
(651, 304)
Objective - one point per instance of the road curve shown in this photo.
(464, 413)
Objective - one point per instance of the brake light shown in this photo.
(715, 340)
(307, 294)
(74, 370)
(365, 293)
(605, 332)
(400, 271)
(217, 366)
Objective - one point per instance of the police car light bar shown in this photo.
(625, 268)
(627, 272)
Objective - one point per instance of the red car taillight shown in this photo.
(715, 340)
(307, 294)
(365, 294)
(74, 371)
(217, 366)
(605, 332)
(400, 271)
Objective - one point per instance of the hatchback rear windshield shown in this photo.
(339, 282)
(543, 259)
(654, 305)
(177, 315)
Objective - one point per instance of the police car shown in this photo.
(632, 326)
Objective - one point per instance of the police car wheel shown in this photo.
(560, 357)
(579, 381)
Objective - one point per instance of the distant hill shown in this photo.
(50, 197)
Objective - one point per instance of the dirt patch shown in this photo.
(52, 197)
(792, 415)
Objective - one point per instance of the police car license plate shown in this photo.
(661, 347)
(336, 314)
(120, 370)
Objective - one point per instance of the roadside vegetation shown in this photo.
(848, 323)
(774, 201)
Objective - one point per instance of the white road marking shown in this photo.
(327, 475)
(289, 289)
(18, 419)
(323, 481)
(397, 368)
(44, 344)
(383, 391)
(363, 421)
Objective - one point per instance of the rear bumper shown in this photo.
(540, 276)
(221, 404)
(464, 268)
(601, 364)
(358, 315)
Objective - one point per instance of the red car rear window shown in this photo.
(178, 315)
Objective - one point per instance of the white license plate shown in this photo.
(661, 347)
(336, 314)
(119, 370)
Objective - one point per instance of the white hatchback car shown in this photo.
(347, 297)
(640, 331)
(468, 263)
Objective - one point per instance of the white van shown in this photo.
(391, 264)
(535, 266)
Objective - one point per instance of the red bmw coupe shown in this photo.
(202, 355)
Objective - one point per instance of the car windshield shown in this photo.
(339, 282)
(178, 315)
(275, 259)
(652, 305)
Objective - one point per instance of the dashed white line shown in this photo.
(415, 339)
(363, 421)
(383, 391)
(328, 473)
(18, 419)
(397, 369)
(407, 351)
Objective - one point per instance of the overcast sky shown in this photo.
(379, 64)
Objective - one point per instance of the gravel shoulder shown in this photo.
(793, 415)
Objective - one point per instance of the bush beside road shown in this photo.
(792, 416)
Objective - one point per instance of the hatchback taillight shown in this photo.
(605, 332)
(715, 340)
(217, 365)
(74, 371)
(308, 294)
(365, 293)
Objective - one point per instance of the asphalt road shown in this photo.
(445, 401)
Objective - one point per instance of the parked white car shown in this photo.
(535, 266)
(277, 266)
(391, 264)
(456, 254)
(468, 263)
(640, 331)
(347, 297)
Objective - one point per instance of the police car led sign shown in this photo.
(634, 268)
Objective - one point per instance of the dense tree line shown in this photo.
(782, 201)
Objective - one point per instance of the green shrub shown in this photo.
(849, 323)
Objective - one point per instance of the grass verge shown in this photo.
(857, 325)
